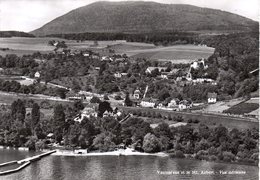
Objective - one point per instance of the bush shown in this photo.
(178, 119)
(95, 100)
(151, 143)
(228, 156)
(117, 97)
(179, 154)
(213, 158)
(196, 121)
(190, 121)
(106, 97)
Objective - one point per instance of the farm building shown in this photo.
(212, 97)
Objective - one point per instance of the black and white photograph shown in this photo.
(129, 90)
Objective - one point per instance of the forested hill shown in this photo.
(15, 34)
(138, 17)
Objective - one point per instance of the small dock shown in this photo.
(23, 162)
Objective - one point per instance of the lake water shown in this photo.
(120, 168)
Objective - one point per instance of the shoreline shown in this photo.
(126, 152)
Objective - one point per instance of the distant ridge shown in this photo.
(139, 16)
(15, 34)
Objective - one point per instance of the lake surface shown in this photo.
(120, 168)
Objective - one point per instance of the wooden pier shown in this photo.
(23, 162)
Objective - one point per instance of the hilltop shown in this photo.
(139, 17)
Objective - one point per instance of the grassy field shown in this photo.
(220, 106)
(176, 54)
(9, 98)
(242, 108)
(210, 120)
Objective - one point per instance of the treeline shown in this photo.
(13, 64)
(15, 34)
(157, 38)
(235, 56)
(18, 128)
(35, 88)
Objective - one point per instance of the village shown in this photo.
(179, 75)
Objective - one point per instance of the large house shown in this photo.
(212, 97)
(148, 102)
(150, 69)
(199, 63)
(184, 104)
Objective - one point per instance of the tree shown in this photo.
(86, 134)
(135, 129)
(151, 143)
(102, 107)
(61, 92)
(78, 105)
(18, 110)
(35, 117)
(128, 102)
(58, 122)
(95, 100)
(104, 141)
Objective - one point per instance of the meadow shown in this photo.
(176, 53)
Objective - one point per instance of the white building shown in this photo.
(212, 97)
(37, 75)
(137, 94)
(197, 64)
(118, 75)
(150, 69)
(173, 103)
(149, 103)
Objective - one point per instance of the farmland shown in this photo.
(176, 53)
(244, 107)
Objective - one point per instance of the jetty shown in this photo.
(23, 163)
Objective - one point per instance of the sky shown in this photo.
(27, 15)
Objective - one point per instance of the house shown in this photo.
(150, 69)
(107, 113)
(173, 103)
(137, 94)
(118, 75)
(148, 102)
(184, 104)
(106, 58)
(202, 80)
(81, 151)
(199, 63)
(253, 114)
(86, 54)
(164, 75)
(37, 75)
(87, 112)
(212, 97)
